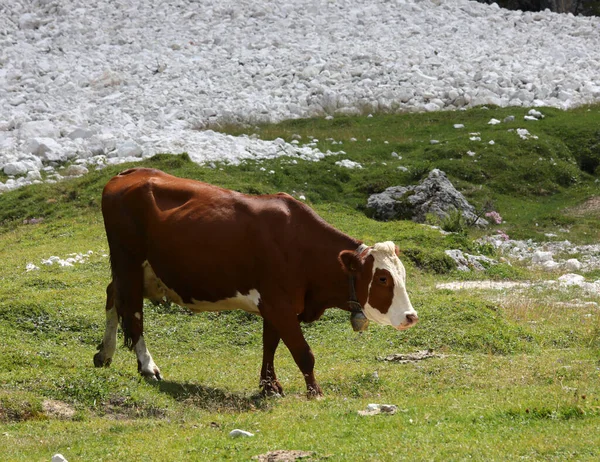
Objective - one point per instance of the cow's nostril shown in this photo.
(412, 318)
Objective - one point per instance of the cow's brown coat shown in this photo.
(206, 243)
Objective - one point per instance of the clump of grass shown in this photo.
(19, 406)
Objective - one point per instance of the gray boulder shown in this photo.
(434, 195)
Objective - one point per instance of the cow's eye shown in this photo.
(383, 280)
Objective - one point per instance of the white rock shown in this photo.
(31, 267)
(237, 433)
(33, 175)
(129, 149)
(80, 132)
(15, 168)
(550, 265)
(28, 21)
(46, 149)
(535, 113)
(75, 170)
(571, 279)
(347, 163)
(572, 264)
(540, 257)
(493, 122)
(39, 129)
(58, 458)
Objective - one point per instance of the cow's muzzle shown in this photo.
(411, 319)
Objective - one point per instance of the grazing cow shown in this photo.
(212, 249)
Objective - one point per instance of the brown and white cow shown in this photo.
(212, 249)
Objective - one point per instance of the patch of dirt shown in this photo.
(412, 357)
(590, 207)
(57, 409)
(282, 455)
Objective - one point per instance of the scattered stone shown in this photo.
(374, 409)
(346, 163)
(493, 122)
(404, 358)
(571, 279)
(75, 170)
(541, 257)
(80, 133)
(33, 221)
(550, 265)
(536, 114)
(435, 195)
(572, 264)
(31, 267)
(282, 455)
(58, 458)
(39, 129)
(238, 433)
(509, 118)
(15, 168)
(482, 285)
(29, 21)
(524, 134)
(47, 149)
(467, 262)
(129, 149)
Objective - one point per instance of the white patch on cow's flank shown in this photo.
(155, 289)
(248, 302)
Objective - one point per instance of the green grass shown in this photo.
(518, 375)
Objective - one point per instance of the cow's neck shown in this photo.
(329, 284)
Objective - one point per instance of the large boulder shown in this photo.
(434, 195)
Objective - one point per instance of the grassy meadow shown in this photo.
(517, 373)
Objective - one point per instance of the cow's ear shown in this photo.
(351, 263)
(397, 250)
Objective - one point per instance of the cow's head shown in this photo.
(380, 281)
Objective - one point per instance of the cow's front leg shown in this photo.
(146, 365)
(107, 348)
(288, 326)
(268, 379)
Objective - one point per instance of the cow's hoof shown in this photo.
(314, 392)
(271, 388)
(99, 361)
(153, 376)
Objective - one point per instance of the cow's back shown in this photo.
(205, 242)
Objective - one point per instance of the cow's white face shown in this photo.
(381, 280)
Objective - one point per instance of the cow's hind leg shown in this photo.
(268, 380)
(129, 301)
(107, 348)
